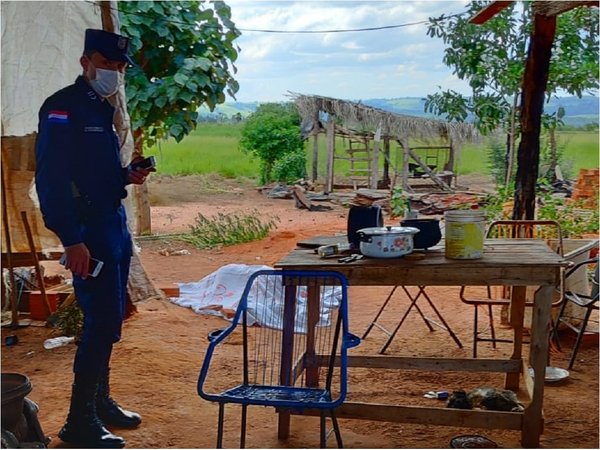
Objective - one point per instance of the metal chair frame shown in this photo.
(283, 394)
(589, 302)
(413, 304)
(509, 229)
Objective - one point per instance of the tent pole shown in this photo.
(13, 292)
(36, 262)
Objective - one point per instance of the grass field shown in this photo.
(213, 148)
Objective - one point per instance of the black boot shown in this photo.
(109, 411)
(83, 427)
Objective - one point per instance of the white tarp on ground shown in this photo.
(220, 292)
(41, 46)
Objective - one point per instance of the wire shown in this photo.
(349, 30)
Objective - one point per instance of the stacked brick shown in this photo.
(586, 188)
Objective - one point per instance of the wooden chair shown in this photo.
(508, 229)
(296, 359)
(580, 298)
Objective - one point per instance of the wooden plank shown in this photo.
(170, 290)
(375, 160)
(428, 171)
(427, 416)
(430, 364)
(506, 262)
(26, 259)
(489, 11)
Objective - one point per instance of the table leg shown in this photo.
(517, 314)
(287, 350)
(538, 357)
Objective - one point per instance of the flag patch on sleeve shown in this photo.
(56, 116)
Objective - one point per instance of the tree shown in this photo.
(184, 52)
(491, 57)
(272, 133)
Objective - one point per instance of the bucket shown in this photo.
(465, 232)
(15, 387)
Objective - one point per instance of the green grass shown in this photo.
(213, 148)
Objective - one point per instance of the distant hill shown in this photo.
(578, 111)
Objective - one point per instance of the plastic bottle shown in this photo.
(334, 249)
(57, 342)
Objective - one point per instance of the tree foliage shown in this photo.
(272, 133)
(491, 58)
(184, 53)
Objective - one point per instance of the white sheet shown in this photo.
(220, 292)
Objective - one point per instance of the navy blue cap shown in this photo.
(112, 46)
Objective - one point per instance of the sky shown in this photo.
(389, 63)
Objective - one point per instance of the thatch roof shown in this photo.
(396, 126)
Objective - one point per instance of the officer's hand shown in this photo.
(78, 259)
(138, 175)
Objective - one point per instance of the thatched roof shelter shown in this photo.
(374, 125)
(396, 126)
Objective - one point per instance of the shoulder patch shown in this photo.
(56, 116)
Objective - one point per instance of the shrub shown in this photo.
(270, 133)
(290, 167)
(228, 229)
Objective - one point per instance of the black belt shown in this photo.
(90, 208)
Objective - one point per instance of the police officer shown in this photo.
(80, 184)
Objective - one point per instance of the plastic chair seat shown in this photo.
(296, 398)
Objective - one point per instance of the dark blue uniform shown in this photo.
(80, 184)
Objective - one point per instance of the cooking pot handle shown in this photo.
(363, 237)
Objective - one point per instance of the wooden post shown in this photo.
(535, 79)
(375, 160)
(315, 149)
(386, 161)
(405, 159)
(451, 156)
(13, 286)
(330, 153)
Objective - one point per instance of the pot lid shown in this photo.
(371, 231)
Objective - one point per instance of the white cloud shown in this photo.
(363, 64)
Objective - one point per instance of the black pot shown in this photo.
(362, 217)
(429, 231)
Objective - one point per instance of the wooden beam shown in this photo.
(474, 418)
(554, 8)
(428, 171)
(489, 11)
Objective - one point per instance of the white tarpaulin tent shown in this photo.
(41, 46)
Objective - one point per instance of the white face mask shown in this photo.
(107, 82)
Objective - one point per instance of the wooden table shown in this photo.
(510, 262)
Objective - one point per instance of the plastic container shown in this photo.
(37, 308)
(51, 343)
(465, 230)
(325, 251)
(15, 387)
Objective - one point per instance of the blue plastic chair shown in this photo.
(295, 360)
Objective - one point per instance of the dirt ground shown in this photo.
(155, 367)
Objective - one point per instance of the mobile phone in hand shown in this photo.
(146, 163)
(94, 268)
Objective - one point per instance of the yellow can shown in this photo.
(464, 234)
